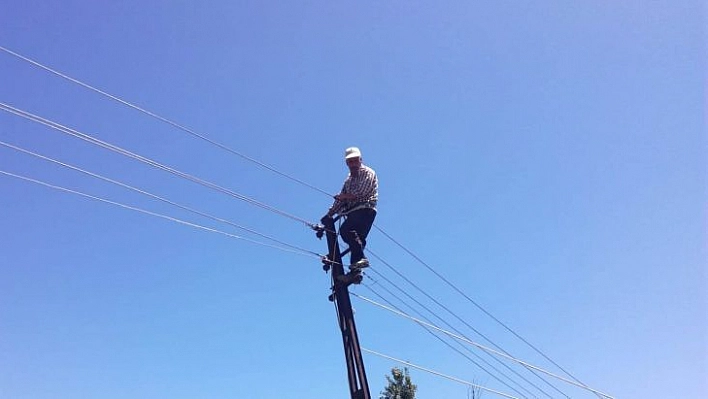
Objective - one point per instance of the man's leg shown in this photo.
(366, 221)
(355, 230)
(351, 237)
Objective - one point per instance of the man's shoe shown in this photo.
(361, 264)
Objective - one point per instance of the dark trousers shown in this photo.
(354, 231)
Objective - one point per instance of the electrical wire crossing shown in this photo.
(480, 307)
(439, 338)
(460, 319)
(148, 161)
(161, 118)
(439, 374)
(482, 347)
(157, 197)
(467, 348)
(150, 213)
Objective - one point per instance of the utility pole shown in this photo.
(358, 385)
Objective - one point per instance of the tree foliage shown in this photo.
(399, 385)
(474, 392)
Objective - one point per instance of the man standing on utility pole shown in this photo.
(357, 201)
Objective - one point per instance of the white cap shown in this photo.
(352, 152)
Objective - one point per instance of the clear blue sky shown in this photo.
(547, 157)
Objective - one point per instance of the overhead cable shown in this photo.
(143, 211)
(161, 118)
(439, 338)
(485, 311)
(480, 346)
(415, 366)
(122, 151)
(449, 325)
(463, 321)
(157, 197)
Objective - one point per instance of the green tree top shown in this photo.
(399, 385)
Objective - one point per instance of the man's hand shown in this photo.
(345, 197)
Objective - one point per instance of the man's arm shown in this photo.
(339, 200)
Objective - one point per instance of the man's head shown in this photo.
(352, 156)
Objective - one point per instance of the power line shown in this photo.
(136, 209)
(482, 347)
(459, 291)
(447, 343)
(438, 373)
(429, 331)
(162, 118)
(463, 321)
(449, 325)
(135, 189)
(122, 151)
